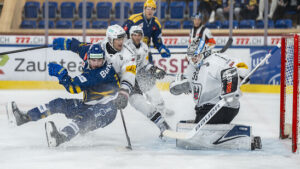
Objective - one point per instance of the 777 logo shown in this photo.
(3, 60)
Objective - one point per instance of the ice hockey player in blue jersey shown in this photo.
(151, 28)
(97, 109)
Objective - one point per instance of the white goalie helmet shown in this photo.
(136, 30)
(115, 32)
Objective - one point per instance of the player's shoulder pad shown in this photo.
(136, 17)
(157, 22)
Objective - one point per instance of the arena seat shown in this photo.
(28, 24)
(115, 22)
(99, 24)
(225, 24)
(283, 23)
(103, 10)
(164, 7)
(187, 24)
(41, 24)
(78, 24)
(172, 25)
(126, 9)
(67, 10)
(177, 10)
(64, 24)
(89, 9)
(52, 9)
(31, 9)
(138, 7)
(247, 24)
(191, 7)
(260, 24)
(213, 25)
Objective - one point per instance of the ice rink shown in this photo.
(25, 147)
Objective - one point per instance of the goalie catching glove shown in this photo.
(158, 73)
(180, 85)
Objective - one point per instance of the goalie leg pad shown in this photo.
(217, 136)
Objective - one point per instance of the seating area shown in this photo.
(176, 15)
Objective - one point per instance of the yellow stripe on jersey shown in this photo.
(78, 89)
(71, 90)
(131, 68)
(103, 93)
(157, 22)
(136, 17)
(117, 78)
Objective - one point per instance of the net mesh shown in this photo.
(290, 51)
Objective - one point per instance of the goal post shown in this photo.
(289, 91)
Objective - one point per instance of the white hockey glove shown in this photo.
(242, 70)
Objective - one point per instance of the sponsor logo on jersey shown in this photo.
(131, 69)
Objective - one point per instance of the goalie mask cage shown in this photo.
(289, 90)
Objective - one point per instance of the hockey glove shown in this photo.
(158, 73)
(61, 44)
(57, 70)
(164, 51)
(122, 100)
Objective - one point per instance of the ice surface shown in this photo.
(25, 147)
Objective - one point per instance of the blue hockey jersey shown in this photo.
(99, 85)
(151, 28)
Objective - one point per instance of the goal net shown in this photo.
(289, 94)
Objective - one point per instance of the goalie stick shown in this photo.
(24, 50)
(217, 107)
(227, 45)
(126, 133)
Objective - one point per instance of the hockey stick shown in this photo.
(127, 136)
(217, 107)
(227, 45)
(24, 50)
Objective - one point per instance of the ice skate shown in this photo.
(20, 117)
(54, 137)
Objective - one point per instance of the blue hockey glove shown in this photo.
(61, 44)
(57, 70)
(164, 51)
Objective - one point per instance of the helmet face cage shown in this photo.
(196, 51)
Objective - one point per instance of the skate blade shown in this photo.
(10, 116)
(50, 140)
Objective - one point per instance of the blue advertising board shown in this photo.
(268, 73)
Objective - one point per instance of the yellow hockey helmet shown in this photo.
(150, 3)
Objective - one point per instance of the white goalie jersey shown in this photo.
(206, 83)
(124, 64)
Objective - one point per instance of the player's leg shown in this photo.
(91, 118)
(140, 103)
(154, 97)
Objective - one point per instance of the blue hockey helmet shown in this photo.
(198, 16)
(96, 52)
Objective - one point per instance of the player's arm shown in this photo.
(78, 83)
(127, 25)
(73, 45)
(210, 40)
(157, 41)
